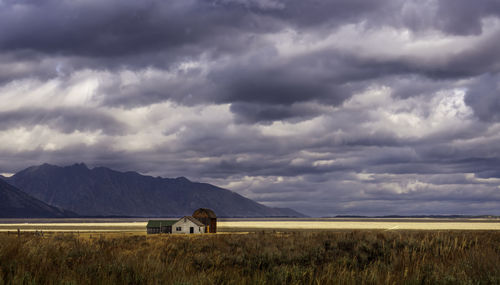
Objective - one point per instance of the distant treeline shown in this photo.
(350, 257)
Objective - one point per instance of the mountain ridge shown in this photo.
(102, 191)
(14, 203)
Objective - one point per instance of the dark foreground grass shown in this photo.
(359, 257)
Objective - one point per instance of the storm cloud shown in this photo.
(328, 107)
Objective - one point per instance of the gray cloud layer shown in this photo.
(329, 107)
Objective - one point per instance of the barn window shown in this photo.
(178, 229)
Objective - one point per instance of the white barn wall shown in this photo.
(185, 224)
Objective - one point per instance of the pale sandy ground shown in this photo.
(239, 225)
(326, 225)
(75, 227)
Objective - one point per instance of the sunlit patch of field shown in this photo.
(75, 227)
(360, 225)
(242, 225)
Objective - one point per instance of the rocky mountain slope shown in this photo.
(104, 192)
(16, 204)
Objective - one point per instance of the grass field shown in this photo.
(324, 257)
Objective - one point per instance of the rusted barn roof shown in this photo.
(204, 213)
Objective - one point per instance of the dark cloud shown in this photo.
(483, 97)
(110, 28)
(464, 17)
(114, 28)
(471, 62)
(328, 107)
(66, 120)
(254, 112)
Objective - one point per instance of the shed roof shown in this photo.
(160, 223)
(204, 213)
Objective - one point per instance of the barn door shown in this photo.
(191, 230)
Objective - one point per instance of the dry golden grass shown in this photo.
(362, 257)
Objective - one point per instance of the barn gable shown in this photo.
(188, 224)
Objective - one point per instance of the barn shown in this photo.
(208, 218)
(203, 221)
(188, 225)
(160, 226)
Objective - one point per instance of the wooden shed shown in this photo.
(160, 226)
(208, 218)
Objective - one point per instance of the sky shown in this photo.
(338, 107)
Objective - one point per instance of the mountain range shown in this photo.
(105, 192)
(14, 203)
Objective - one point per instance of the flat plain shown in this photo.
(251, 225)
(252, 251)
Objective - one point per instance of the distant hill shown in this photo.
(104, 192)
(16, 204)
